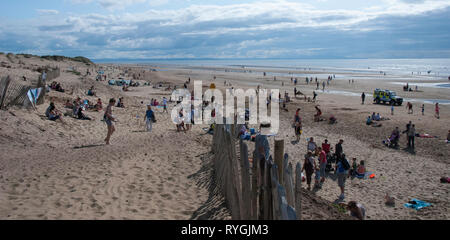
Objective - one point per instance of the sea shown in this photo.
(435, 68)
(434, 73)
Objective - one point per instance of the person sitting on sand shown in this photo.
(54, 114)
(369, 120)
(356, 210)
(58, 88)
(81, 115)
(91, 91)
(68, 104)
(120, 103)
(99, 105)
(332, 119)
(318, 114)
(354, 167)
(377, 117)
(361, 170)
(49, 108)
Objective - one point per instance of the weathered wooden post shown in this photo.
(245, 177)
(6, 82)
(255, 186)
(279, 152)
(298, 190)
(288, 184)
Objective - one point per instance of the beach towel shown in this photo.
(426, 136)
(417, 204)
(112, 82)
(363, 176)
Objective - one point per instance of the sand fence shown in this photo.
(13, 93)
(259, 188)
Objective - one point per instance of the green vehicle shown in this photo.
(386, 96)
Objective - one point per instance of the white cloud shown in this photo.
(244, 29)
(47, 11)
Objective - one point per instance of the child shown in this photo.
(354, 167)
(356, 210)
(149, 118)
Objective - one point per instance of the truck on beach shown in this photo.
(386, 96)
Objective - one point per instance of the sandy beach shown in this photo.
(50, 170)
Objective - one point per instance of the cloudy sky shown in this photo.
(146, 29)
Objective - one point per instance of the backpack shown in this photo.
(345, 164)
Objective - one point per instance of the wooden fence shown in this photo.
(15, 94)
(260, 189)
(12, 93)
(51, 74)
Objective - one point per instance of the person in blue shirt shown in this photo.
(149, 118)
(342, 175)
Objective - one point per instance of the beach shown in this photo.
(50, 170)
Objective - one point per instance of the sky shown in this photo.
(164, 29)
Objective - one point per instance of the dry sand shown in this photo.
(50, 170)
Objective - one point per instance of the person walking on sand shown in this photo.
(322, 165)
(149, 118)
(408, 126)
(392, 109)
(411, 134)
(363, 97)
(298, 124)
(342, 167)
(165, 105)
(423, 109)
(108, 118)
(338, 149)
(409, 106)
(323, 86)
(436, 110)
(314, 96)
(308, 166)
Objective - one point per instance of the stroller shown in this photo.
(392, 141)
(331, 158)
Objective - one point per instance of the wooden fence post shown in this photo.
(298, 190)
(245, 177)
(288, 184)
(6, 82)
(255, 186)
(279, 152)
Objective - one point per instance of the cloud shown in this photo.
(263, 29)
(47, 11)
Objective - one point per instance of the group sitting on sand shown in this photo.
(56, 86)
(53, 114)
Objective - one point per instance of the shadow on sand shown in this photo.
(88, 146)
(215, 207)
